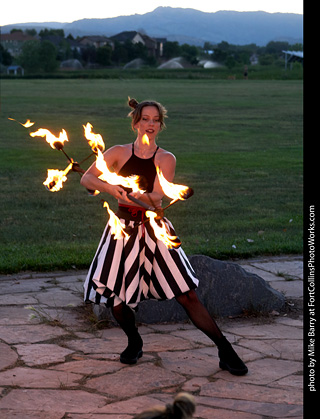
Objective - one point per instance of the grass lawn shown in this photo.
(238, 144)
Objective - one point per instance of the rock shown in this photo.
(225, 289)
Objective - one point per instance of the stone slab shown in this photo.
(42, 354)
(38, 378)
(56, 402)
(8, 356)
(141, 379)
(31, 334)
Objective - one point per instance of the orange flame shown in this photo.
(56, 178)
(27, 124)
(117, 228)
(171, 190)
(50, 138)
(145, 139)
(114, 179)
(95, 140)
(161, 232)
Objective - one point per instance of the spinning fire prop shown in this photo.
(56, 178)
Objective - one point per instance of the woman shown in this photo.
(129, 270)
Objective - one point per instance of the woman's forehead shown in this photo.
(149, 110)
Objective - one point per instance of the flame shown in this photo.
(172, 190)
(55, 178)
(27, 124)
(114, 179)
(161, 232)
(50, 138)
(95, 140)
(117, 228)
(145, 139)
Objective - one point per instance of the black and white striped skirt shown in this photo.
(137, 268)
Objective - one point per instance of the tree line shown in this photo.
(45, 56)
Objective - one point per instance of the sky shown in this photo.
(22, 11)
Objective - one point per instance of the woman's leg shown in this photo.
(201, 318)
(126, 319)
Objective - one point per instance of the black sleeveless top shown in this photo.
(144, 168)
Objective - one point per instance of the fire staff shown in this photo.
(137, 267)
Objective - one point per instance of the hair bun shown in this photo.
(133, 103)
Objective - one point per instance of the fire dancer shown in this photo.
(139, 266)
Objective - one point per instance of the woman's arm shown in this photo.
(90, 179)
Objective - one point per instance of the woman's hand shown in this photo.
(118, 192)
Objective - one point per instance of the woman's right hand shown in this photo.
(118, 192)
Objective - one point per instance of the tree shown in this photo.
(38, 56)
(190, 53)
(31, 32)
(276, 48)
(48, 56)
(171, 49)
(48, 32)
(120, 53)
(104, 55)
(5, 56)
(29, 57)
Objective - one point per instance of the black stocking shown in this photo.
(200, 316)
(126, 319)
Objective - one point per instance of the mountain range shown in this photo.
(189, 26)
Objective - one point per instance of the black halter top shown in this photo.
(145, 168)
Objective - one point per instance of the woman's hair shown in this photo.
(137, 107)
(183, 407)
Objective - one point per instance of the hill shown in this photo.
(190, 26)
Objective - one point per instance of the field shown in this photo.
(238, 144)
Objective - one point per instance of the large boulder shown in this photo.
(225, 289)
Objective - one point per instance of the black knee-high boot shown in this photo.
(126, 319)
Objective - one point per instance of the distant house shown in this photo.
(13, 42)
(16, 70)
(153, 45)
(96, 41)
(60, 42)
(292, 57)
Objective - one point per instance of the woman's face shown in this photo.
(149, 123)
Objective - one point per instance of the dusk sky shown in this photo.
(22, 11)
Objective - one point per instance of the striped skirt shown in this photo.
(137, 268)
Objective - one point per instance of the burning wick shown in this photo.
(95, 141)
(117, 228)
(145, 139)
(54, 142)
(27, 124)
(161, 232)
(56, 178)
(172, 190)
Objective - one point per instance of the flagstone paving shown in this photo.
(57, 362)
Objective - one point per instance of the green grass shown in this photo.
(238, 144)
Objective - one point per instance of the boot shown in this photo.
(229, 360)
(126, 319)
(133, 351)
